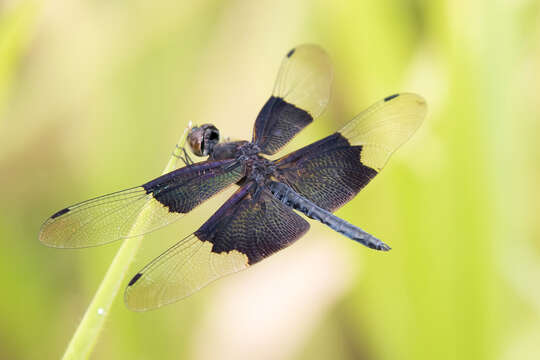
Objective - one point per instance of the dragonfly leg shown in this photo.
(184, 156)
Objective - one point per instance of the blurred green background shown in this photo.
(94, 94)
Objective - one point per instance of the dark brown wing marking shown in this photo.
(254, 227)
(328, 172)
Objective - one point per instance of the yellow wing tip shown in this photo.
(407, 98)
(420, 101)
(43, 238)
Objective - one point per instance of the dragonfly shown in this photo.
(267, 211)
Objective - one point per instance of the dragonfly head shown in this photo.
(202, 139)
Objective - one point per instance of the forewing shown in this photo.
(241, 233)
(330, 172)
(301, 94)
(138, 210)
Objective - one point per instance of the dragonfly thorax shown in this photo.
(257, 167)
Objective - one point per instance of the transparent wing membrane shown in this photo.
(304, 79)
(383, 127)
(180, 271)
(106, 219)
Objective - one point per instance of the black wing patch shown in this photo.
(328, 172)
(254, 227)
(282, 122)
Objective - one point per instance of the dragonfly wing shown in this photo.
(139, 210)
(331, 171)
(241, 233)
(301, 94)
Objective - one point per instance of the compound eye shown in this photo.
(202, 139)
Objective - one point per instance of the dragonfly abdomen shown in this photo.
(289, 197)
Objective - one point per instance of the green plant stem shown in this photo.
(86, 335)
